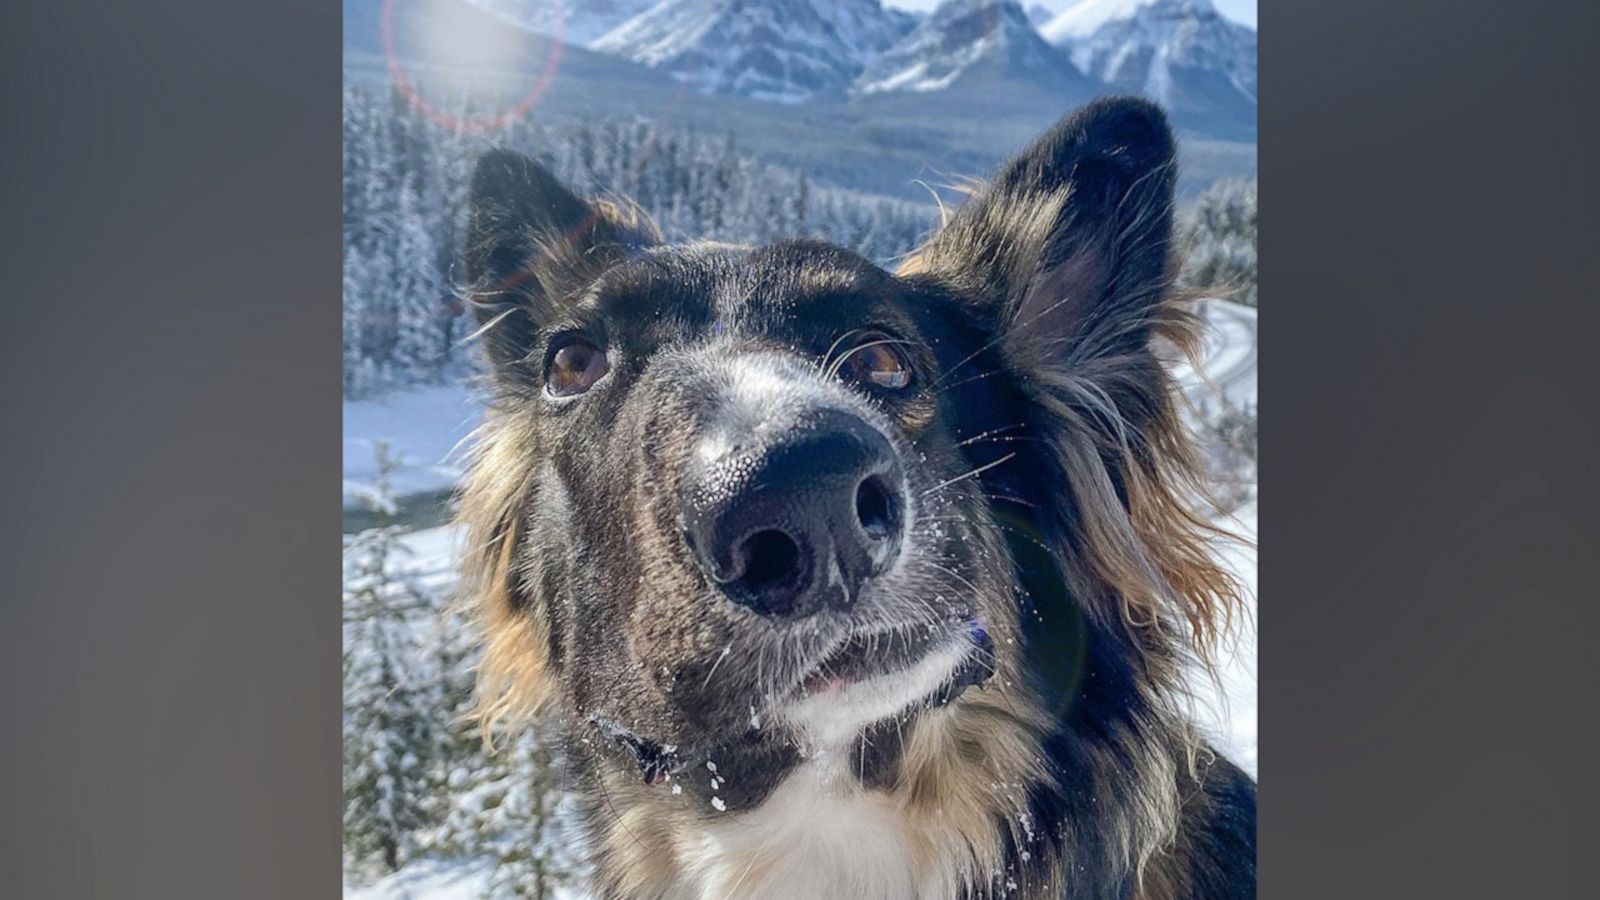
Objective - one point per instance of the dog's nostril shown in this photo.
(875, 508)
(801, 521)
(771, 560)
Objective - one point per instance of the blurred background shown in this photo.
(740, 120)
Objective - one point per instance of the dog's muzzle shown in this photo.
(800, 519)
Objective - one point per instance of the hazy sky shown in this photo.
(1238, 10)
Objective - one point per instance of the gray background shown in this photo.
(169, 392)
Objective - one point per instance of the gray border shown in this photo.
(169, 690)
(1428, 621)
(169, 681)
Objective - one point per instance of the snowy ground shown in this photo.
(1227, 355)
(427, 879)
(425, 429)
(430, 879)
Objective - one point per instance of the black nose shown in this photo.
(790, 524)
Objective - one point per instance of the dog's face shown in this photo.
(752, 501)
(749, 498)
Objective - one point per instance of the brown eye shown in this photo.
(574, 368)
(877, 362)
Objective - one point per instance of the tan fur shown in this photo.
(1142, 562)
(1151, 556)
(950, 771)
(963, 766)
(1156, 554)
(513, 682)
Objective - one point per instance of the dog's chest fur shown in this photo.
(820, 834)
(930, 832)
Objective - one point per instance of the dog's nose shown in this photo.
(787, 526)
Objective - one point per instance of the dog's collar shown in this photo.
(654, 760)
(977, 668)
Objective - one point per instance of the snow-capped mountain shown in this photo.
(1039, 14)
(787, 50)
(574, 21)
(1182, 53)
(966, 40)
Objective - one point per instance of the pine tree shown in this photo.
(459, 751)
(533, 858)
(722, 174)
(419, 296)
(387, 730)
(1220, 242)
(802, 196)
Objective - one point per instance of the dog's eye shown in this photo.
(574, 367)
(877, 362)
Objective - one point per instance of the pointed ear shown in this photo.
(531, 243)
(1067, 249)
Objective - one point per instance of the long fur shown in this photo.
(992, 795)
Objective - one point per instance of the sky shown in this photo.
(1237, 10)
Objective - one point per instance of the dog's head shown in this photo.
(744, 501)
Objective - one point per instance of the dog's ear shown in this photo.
(1067, 254)
(531, 242)
(1068, 247)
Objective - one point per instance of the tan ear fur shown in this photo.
(514, 681)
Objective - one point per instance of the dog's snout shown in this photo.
(789, 525)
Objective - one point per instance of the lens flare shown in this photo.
(460, 41)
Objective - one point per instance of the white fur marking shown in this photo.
(830, 718)
(816, 836)
(820, 833)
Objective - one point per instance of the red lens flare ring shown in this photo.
(471, 124)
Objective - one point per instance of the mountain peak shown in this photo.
(1088, 16)
(1181, 53)
(786, 50)
(964, 39)
(573, 21)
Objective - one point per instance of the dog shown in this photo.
(853, 583)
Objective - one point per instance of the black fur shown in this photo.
(1038, 414)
